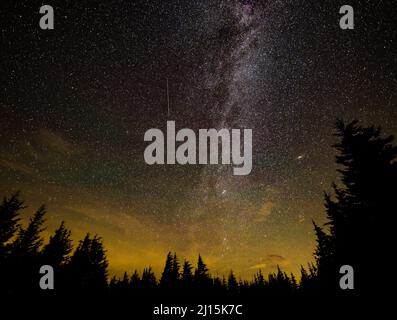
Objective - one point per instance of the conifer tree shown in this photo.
(259, 280)
(148, 282)
(166, 276)
(175, 270)
(56, 251)
(23, 262)
(232, 285)
(88, 265)
(9, 224)
(361, 207)
(29, 240)
(9, 221)
(135, 281)
(201, 276)
(187, 275)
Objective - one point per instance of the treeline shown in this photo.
(183, 279)
(357, 234)
(85, 269)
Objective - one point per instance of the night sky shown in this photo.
(77, 100)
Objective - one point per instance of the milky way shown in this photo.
(77, 100)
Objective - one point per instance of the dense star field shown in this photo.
(76, 102)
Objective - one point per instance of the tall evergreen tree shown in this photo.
(232, 285)
(29, 240)
(187, 275)
(56, 251)
(175, 275)
(201, 276)
(23, 262)
(135, 281)
(9, 221)
(124, 283)
(87, 269)
(9, 224)
(166, 276)
(259, 280)
(148, 282)
(359, 212)
(56, 254)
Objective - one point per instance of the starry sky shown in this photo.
(77, 100)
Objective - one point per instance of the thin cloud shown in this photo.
(264, 211)
(15, 166)
(258, 266)
(271, 261)
(55, 142)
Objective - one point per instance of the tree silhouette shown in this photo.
(166, 276)
(362, 205)
(9, 221)
(9, 224)
(175, 271)
(187, 275)
(148, 282)
(171, 273)
(29, 240)
(135, 281)
(280, 282)
(87, 270)
(201, 276)
(232, 285)
(124, 284)
(24, 255)
(259, 281)
(56, 251)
